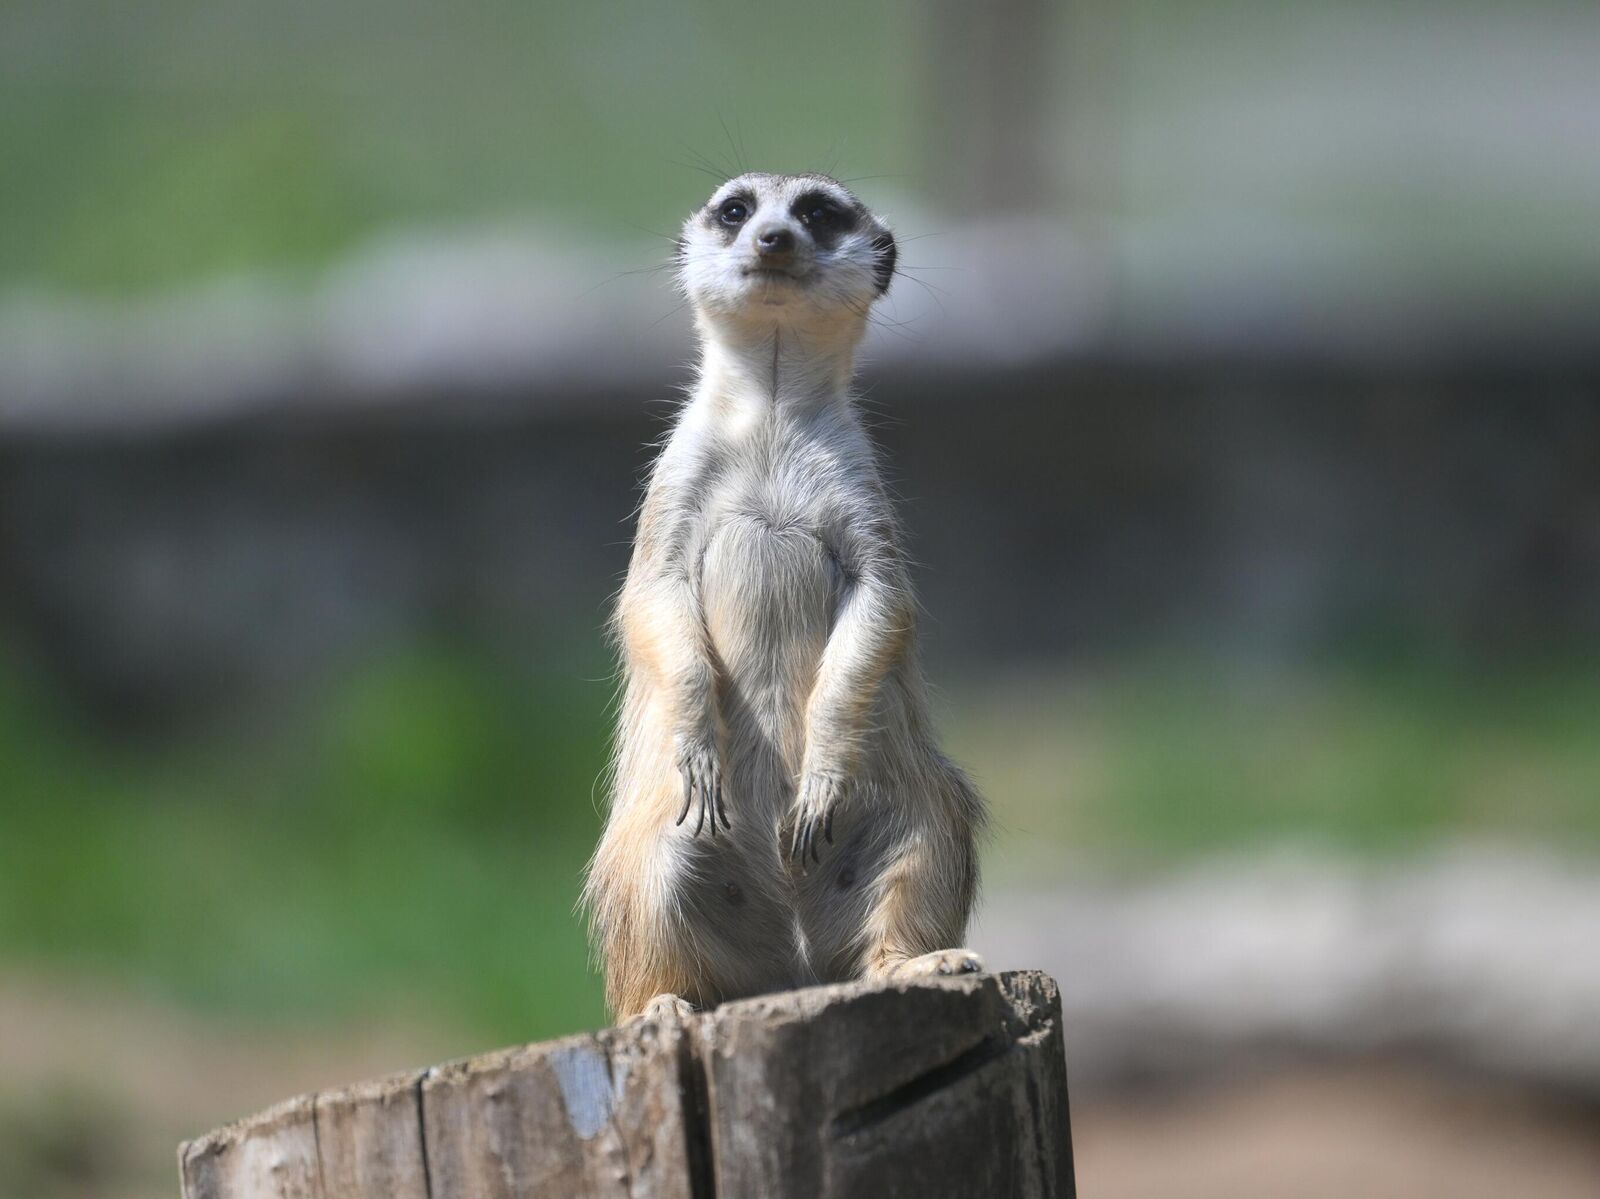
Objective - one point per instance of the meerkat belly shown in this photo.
(769, 592)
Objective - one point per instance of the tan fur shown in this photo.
(767, 639)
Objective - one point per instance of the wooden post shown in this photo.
(952, 1087)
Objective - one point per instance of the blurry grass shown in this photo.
(413, 840)
(1168, 759)
(416, 843)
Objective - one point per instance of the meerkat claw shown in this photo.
(688, 796)
(719, 806)
(803, 847)
(702, 788)
(819, 797)
(800, 846)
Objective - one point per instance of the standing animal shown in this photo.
(780, 812)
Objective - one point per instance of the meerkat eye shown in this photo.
(819, 215)
(733, 212)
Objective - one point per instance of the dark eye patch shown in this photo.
(824, 216)
(731, 213)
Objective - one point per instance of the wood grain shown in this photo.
(951, 1087)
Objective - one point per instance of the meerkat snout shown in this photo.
(775, 242)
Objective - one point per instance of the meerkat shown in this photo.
(780, 813)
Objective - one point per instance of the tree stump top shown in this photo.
(949, 1087)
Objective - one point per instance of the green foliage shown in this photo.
(188, 143)
(417, 839)
(1175, 758)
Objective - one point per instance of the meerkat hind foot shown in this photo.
(665, 1008)
(940, 962)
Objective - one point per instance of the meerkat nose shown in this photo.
(775, 240)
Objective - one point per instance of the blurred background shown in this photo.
(1242, 391)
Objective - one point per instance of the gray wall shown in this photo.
(1056, 514)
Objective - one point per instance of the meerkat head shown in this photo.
(793, 250)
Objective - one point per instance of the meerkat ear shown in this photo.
(885, 249)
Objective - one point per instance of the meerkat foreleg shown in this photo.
(873, 624)
(664, 636)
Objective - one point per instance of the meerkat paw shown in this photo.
(702, 781)
(940, 962)
(819, 797)
(666, 1008)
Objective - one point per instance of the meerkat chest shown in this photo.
(785, 497)
(770, 573)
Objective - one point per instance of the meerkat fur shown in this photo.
(780, 813)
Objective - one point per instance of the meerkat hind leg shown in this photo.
(925, 899)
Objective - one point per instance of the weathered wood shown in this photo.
(660, 1110)
(952, 1087)
(273, 1154)
(597, 1115)
(949, 1090)
(369, 1139)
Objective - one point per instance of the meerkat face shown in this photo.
(795, 248)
